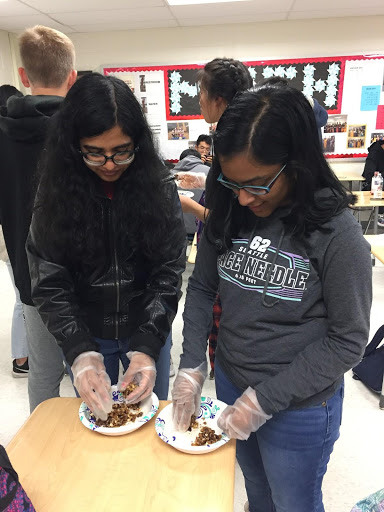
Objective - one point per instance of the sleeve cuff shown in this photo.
(78, 343)
(147, 343)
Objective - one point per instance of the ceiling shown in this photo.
(92, 15)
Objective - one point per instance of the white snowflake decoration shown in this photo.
(309, 69)
(291, 72)
(280, 71)
(268, 72)
(320, 85)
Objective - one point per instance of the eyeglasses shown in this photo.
(251, 189)
(120, 158)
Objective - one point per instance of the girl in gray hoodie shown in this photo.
(294, 276)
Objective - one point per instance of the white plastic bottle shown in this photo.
(378, 192)
(374, 183)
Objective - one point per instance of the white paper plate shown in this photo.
(210, 410)
(149, 407)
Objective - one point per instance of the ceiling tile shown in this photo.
(230, 9)
(49, 6)
(230, 20)
(304, 5)
(113, 16)
(337, 13)
(135, 25)
(17, 23)
(15, 8)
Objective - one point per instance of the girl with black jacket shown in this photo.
(106, 247)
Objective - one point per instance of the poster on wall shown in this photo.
(320, 79)
(349, 88)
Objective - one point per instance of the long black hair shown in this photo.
(276, 125)
(224, 78)
(68, 204)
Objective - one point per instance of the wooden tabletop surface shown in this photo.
(64, 467)
(365, 199)
(377, 245)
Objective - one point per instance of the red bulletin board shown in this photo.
(323, 78)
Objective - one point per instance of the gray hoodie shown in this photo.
(295, 313)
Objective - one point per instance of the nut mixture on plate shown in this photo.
(206, 435)
(122, 413)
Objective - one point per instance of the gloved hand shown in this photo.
(92, 383)
(141, 370)
(186, 395)
(191, 180)
(243, 417)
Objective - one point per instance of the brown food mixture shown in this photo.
(206, 436)
(122, 413)
(193, 424)
(128, 390)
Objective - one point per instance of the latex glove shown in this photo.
(190, 180)
(141, 370)
(243, 417)
(92, 383)
(186, 395)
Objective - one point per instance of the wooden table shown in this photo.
(64, 467)
(364, 200)
(350, 177)
(377, 249)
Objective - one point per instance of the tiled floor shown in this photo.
(356, 466)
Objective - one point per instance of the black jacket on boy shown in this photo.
(24, 124)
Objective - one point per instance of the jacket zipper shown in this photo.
(117, 280)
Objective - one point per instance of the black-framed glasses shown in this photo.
(251, 189)
(119, 158)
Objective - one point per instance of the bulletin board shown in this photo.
(350, 88)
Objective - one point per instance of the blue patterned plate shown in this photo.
(210, 410)
(148, 406)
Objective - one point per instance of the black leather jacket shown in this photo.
(123, 299)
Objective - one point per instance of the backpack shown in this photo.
(12, 495)
(371, 369)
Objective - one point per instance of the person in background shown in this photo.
(284, 251)
(48, 62)
(106, 247)
(19, 345)
(204, 146)
(219, 82)
(6, 91)
(190, 162)
(374, 162)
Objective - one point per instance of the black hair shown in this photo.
(204, 138)
(224, 78)
(68, 203)
(277, 81)
(6, 91)
(190, 152)
(276, 125)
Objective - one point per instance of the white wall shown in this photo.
(253, 41)
(7, 75)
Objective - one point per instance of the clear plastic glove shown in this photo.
(190, 180)
(243, 417)
(92, 383)
(141, 370)
(186, 395)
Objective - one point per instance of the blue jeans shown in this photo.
(284, 462)
(115, 351)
